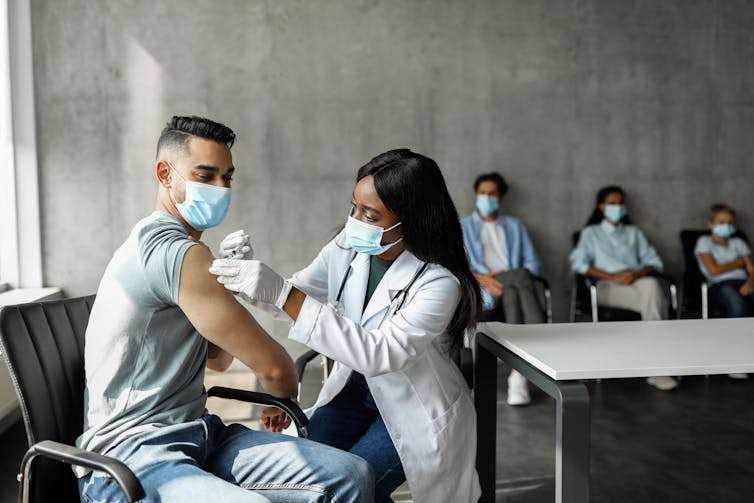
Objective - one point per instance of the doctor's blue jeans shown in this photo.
(352, 422)
(205, 460)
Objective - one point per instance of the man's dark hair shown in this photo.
(178, 130)
(496, 177)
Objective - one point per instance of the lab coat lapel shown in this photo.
(356, 287)
(396, 278)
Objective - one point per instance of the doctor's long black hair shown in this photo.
(412, 186)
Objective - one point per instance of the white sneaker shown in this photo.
(518, 389)
(738, 375)
(663, 383)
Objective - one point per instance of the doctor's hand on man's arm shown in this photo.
(256, 282)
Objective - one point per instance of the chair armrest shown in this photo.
(123, 476)
(548, 296)
(591, 287)
(289, 406)
(673, 287)
(301, 362)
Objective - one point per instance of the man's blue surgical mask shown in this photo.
(615, 212)
(724, 231)
(204, 205)
(487, 205)
(367, 238)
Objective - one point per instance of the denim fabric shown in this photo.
(726, 294)
(204, 460)
(352, 422)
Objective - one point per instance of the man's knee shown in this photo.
(361, 475)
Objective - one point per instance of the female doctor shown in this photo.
(387, 299)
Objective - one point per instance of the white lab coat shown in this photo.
(422, 396)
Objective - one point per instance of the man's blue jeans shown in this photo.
(204, 460)
(352, 422)
(727, 294)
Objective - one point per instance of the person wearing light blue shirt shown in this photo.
(726, 262)
(622, 260)
(503, 260)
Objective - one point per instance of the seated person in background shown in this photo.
(502, 258)
(159, 318)
(621, 259)
(726, 263)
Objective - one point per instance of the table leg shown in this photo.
(572, 443)
(485, 399)
(572, 423)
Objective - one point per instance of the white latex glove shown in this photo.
(253, 280)
(236, 245)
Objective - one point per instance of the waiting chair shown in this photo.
(584, 301)
(43, 345)
(695, 292)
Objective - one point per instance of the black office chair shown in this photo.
(695, 292)
(43, 345)
(584, 301)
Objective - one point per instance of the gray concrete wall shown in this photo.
(560, 96)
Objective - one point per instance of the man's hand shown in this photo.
(274, 419)
(746, 289)
(491, 284)
(625, 277)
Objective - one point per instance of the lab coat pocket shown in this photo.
(447, 418)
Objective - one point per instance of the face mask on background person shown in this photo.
(487, 205)
(204, 205)
(367, 238)
(615, 212)
(724, 231)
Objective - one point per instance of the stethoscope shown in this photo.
(395, 305)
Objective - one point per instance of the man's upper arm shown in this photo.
(219, 318)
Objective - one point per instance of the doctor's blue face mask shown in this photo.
(204, 205)
(367, 238)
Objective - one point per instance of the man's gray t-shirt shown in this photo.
(736, 248)
(144, 360)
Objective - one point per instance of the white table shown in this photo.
(554, 357)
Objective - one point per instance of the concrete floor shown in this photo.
(695, 444)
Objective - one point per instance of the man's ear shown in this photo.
(163, 174)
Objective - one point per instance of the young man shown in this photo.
(503, 260)
(158, 319)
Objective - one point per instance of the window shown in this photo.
(20, 243)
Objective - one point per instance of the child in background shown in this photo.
(726, 263)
